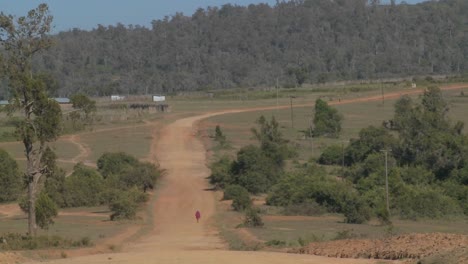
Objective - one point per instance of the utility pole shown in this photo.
(292, 113)
(386, 178)
(383, 96)
(277, 95)
(342, 158)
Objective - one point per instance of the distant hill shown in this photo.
(310, 41)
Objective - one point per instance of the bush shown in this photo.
(419, 201)
(115, 163)
(275, 243)
(332, 155)
(10, 178)
(83, 187)
(305, 208)
(220, 137)
(254, 170)
(124, 207)
(355, 210)
(242, 200)
(220, 172)
(232, 191)
(16, 241)
(46, 209)
(253, 219)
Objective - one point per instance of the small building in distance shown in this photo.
(117, 98)
(159, 98)
(62, 100)
(4, 102)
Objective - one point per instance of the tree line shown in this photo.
(294, 42)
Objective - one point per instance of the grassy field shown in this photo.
(75, 224)
(356, 116)
(134, 140)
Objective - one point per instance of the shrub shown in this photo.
(46, 209)
(123, 208)
(16, 241)
(220, 137)
(124, 204)
(142, 175)
(220, 172)
(345, 234)
(242, 201)
(305, 208)
(232, 191)
(275, 243)
(254, 170)
(253, 219)
(355, 211)
(10, 178)
(115, 163)
(419, 201)
(331, 155)
(83, 187)
(327, 120)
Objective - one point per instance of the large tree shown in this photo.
(327, 120)
(22, 39)
(427, 136)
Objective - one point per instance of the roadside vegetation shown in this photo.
(347, 181)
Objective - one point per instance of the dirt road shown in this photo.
(177, 237)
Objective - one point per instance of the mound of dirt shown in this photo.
(413, 246)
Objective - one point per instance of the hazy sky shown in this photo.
(87, 14)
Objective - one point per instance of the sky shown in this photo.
(87, 14)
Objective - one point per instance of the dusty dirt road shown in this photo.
(177, 237)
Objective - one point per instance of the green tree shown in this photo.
(10, 178)
(327, 120)
(143, 176)
(272, 142)
(220, 137)
(241, 201)
(221, 172)
(254, 170)
(83, 187)
(46, 209)
(252, 218)
(125, 203)
(426, 135)
(371, 140)
(84, 110)
(55, 178)
(22, 39)
(115, 163)
(331, 155)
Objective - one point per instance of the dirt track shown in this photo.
(176, 237)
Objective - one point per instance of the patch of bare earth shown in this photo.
(9, 257)
(10, 210)
(412, 246)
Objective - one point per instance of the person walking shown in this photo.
(197, 215)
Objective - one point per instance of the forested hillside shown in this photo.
(301, 41)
